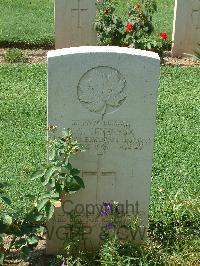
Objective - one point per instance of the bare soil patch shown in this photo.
(38, 258)
(33, 56)
(185, 61)
(40, 57)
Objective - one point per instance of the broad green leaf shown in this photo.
(6, 199)
(75, 171)
(32, 214)
(79, 181)
(42, 204)
(26, 229)
(2, 256)
(73, 187)
(38, 217)
(46, 180)
(33, 240)
(49, 209)
(52, 182)
(38, 173)
(25, 253)
(49, 173)
(68, 166)
(59, 187)
(20, 243)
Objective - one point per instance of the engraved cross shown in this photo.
(99, 173)
(80, 11)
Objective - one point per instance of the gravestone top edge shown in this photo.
(102, 49)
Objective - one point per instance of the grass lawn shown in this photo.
(22, 126)
(163, 19)
(26, 22)
(31, 23)
(175, 184)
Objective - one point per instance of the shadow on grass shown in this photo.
(46, 45)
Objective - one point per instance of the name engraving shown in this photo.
(103, 135)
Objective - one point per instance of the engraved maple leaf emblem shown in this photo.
(102, 90)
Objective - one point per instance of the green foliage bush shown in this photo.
(134, 30)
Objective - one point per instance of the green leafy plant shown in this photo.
(118, 220)
(150, 6)
(23, 234)
(58, 177)
(14, 55)
(109, 27)
(76, 229)
(138, 25)
(133, 30)
(58, 174)
(113, 30)
(158, 44)
(72, 244)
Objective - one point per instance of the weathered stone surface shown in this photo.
(108, 97)
(186, 34)
(74, 23)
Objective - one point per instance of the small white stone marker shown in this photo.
(74, 23)
(108, 97)
(186, 33)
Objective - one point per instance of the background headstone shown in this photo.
(108, 97)
(74, 23)
(186, 33)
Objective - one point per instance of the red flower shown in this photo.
(164, 35)
(129, 27)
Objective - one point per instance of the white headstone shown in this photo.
(74, 23)
(108, 97)
(186, 34)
